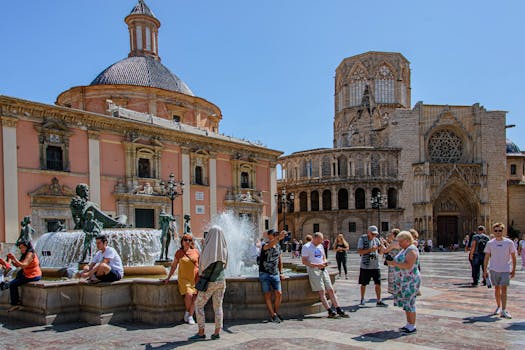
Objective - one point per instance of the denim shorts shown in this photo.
(269, 282)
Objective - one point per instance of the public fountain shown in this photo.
(148, 299)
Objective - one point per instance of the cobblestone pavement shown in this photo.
(450, 315)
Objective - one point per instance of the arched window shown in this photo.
(384, 85)
(357, 86)
(445, 146)
(342, 198)
(314, 201)
(245, 180)
(144, 167)
(392, 198)
(342, 166)
(198, 175)
(327, 200)
(360, 198)
(303, 201)
(326, 166)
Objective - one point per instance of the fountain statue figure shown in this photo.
(80, 205)
(187, 227)
(27, 232)
(167, 232)
(91, 229)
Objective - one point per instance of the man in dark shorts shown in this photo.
(369, 247)
(271, 273)
(106, 265)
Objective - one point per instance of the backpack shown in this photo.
(482, 242)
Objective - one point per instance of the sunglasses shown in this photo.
(187, 240)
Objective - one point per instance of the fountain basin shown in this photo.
(150, 301)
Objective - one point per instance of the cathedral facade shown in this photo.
(131, 132)
(437, 168)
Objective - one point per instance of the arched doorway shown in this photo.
(456, 212)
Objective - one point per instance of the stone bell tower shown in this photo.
(368, 88)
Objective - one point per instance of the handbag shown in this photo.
(202, 283)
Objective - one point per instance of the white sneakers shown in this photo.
(188, 318)
(502, 313)
(505, 314)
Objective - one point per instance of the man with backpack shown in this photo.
(477, 255)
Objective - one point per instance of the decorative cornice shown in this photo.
(9, 122)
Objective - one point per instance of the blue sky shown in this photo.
(270, 65)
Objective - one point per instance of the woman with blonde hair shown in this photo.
(407, 279)
(214, 258)
(341, 246)
(187, 259)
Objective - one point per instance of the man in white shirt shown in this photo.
(313, 257)
(106, 265)
(500, 262)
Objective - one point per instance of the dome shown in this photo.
(141, 71)
(512, 147)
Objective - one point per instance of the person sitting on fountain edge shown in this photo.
(271, 273)
(106, 265)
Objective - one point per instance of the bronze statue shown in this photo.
(26, 232)
(91, 229)
(167, 231)
(80, 205)
(187, 228)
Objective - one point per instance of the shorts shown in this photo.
(319, 279)
(269, 282)
(112, 276)
(499, 278)
(365, 275)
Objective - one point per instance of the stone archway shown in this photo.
(455, 212)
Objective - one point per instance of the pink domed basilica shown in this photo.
(132, 130)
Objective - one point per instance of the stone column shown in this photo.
(186, 196)
(94, 166)
(213, 187)
(10, 163)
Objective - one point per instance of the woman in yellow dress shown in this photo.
(187, 259)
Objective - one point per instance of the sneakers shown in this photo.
(191, 320)
(332, 314)
(381, 304)
(362, 303)
(505, 314)
(341, 313)
(197, 337)
(497, 311)
(408, 330)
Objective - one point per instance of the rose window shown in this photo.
(445, 147)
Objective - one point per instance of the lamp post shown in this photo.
(285, 202)
(173, 189)
(377, 201)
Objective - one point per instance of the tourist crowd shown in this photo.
(201, 274)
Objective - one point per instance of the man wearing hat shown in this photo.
(477, 254)
(369, 247)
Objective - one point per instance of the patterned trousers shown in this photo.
(216, 292)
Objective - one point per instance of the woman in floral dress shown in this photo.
(407, 279)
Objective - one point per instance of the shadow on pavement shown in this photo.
(381, 336)
(485, 319)
(517, 326)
